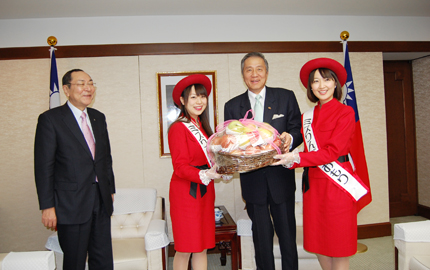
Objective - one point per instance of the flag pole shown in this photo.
(344, 35)
(54, 94)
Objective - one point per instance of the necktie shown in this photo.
(258, 109)
(87, 134)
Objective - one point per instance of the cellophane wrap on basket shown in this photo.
(243, 145)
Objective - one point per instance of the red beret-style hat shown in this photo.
(331, 64)
(190, 80)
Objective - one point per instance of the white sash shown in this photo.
(201, 139)
(332, 170)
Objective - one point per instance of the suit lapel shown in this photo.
(245, 105)
(270, 105)
(70, 121)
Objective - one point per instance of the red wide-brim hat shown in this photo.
(329, 63)
(190, 80)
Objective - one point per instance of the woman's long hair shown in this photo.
(184, 116)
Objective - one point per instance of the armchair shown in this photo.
(412, 242)
(139, 230)
(40, 260)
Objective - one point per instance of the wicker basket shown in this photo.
(229, 164)
(243, 145)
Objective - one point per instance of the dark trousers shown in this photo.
(284, 223)
(92, 237)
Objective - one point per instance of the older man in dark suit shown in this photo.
(74, 176)
(269, 192)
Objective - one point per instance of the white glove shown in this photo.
(207, 175)
(287, 160)
(227, 177)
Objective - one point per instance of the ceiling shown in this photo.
(20, 9)
(26, 9)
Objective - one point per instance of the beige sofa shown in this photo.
(139, 231)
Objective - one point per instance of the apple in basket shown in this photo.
(235, 127)
(228, 141)
(243, 141)
(249, 127)
(265, 134)
(215, 145)
(216, 140)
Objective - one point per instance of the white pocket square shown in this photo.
(276, 116)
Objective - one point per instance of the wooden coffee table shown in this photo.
(226, 237)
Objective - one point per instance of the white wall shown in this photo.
(178, 29)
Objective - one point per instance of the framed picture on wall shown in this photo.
(168, 112)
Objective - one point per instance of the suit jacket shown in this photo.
(65, 169)
(277, 180)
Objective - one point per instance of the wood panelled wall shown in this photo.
(212, 48)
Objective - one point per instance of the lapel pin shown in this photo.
(269, 108)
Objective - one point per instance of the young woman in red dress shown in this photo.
(192, 193)
(329, 209)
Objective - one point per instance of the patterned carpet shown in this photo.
(379, 256)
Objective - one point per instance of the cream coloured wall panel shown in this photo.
(368, 75)
(24, 90)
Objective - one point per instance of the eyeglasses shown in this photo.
(81, 84)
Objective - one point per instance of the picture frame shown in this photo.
(168, 112)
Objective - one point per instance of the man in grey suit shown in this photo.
(269, 192)
(74, 176)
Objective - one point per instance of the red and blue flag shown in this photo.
(357, 148)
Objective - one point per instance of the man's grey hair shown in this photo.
(254, 54)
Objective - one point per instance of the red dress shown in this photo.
(329, 213)
(193, 219)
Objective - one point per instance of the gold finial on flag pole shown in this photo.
(52, 41)
(344, 35)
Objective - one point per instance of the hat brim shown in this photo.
(328, 63)
(190, 80)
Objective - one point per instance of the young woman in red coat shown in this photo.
(329, 200)
(192, 193)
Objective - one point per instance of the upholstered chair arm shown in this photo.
(156, 236)
(411, 239)
(28, 260)
(244, 224)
